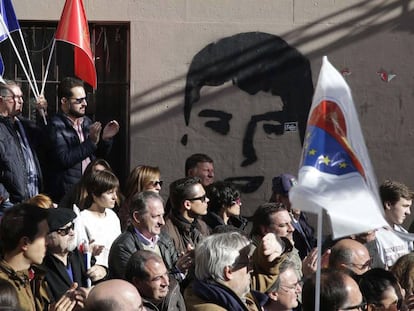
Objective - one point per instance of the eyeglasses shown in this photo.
(362, 307)
(79, 100)
(292, 287)
(203, 198)
(65, 231)
(364, 266)
(157, 182)
(237, 201)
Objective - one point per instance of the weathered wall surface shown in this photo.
(362, 37)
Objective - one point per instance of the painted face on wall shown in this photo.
(246, 92)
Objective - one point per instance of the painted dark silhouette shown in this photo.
(254, 62)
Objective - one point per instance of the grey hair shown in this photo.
(216, 252)
(285, 265)
(140, 201)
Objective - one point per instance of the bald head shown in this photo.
(114, 295)
(350, 254)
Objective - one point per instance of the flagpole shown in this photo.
(47, 66)
(17, 54)
(318, 262)
(37, 94)
(22, 64)
(29, 62)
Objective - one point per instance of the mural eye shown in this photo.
(221, 125)
(277, 129)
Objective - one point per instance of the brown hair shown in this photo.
(41, 200)
(140, 178)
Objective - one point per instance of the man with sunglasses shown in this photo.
(74, 139)
(64, 263)
(183, 224)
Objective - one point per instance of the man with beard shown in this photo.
(74, 139)
(63, 262)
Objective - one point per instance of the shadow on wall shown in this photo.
(257, 61)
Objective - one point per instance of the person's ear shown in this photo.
(228, 273)
(64, 104)
(135, 281)
(273, 295)
(187, 204)
(136, 217)
(24, 243)
(387, 205)
(94, 197)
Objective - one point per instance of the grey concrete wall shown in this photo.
(363, 36)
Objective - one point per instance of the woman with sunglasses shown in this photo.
(101, 223)
(142, 178)
(381, 290)
(224, 206)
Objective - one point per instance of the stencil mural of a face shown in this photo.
(252, 62)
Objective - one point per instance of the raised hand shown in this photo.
(110, 130)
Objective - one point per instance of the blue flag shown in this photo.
(336, 174)
(1, 66)
(9, 17)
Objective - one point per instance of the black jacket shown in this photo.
(66, 154)
(128, 243)
(13, 176)
(57, 277)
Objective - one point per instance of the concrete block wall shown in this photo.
(364, 37)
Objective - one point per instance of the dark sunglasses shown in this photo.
(157, 182)
(65, 231)
(236, 201)
(202, 198)
(79, 100)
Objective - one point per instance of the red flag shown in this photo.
(73, 28)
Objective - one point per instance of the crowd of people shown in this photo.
(72, 239)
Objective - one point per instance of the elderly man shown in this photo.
(189, 203)
(114, 295)
(350, 255)
(147, 219)
(21, 176)
(338, 291)
(222, 274)
(200, 165)
(63, 262)
(285, 292)
(147, 271)
(74, 139)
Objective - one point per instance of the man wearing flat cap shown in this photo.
(63, 261)
(303, 236)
